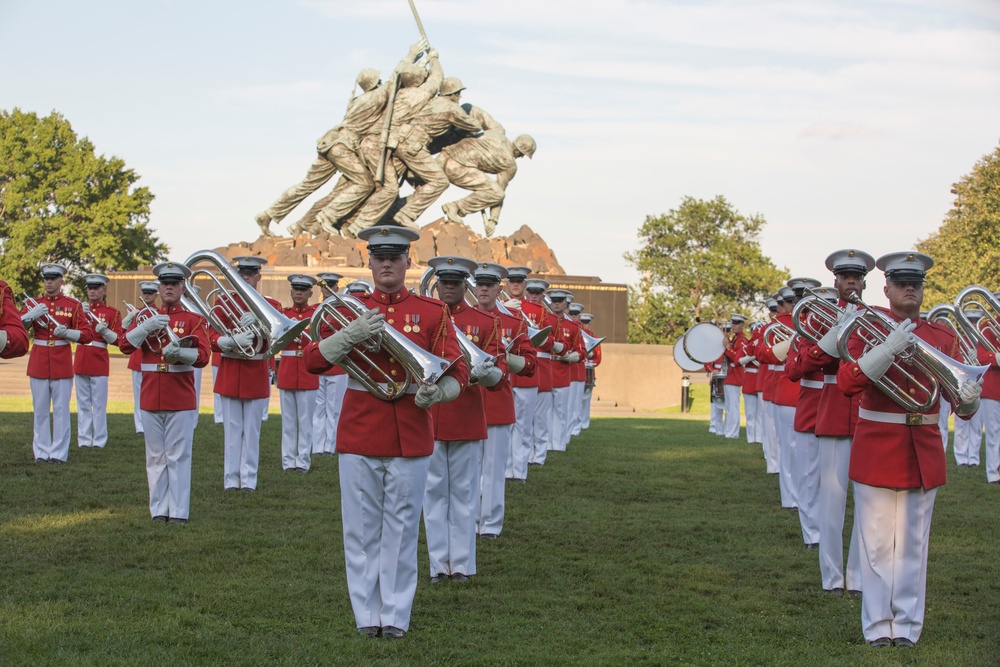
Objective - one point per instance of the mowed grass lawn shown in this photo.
(648, 542)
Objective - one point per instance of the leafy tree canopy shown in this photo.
(59, 201)
(701, 260)
(966, 248)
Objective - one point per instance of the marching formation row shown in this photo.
(444, 399)
(836, 392)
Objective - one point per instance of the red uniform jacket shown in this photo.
(838, 413)
(465, 417)
(895, 456)
(10, 321)
(810, 386)
(783, 391)
(528, 377)
(244, 379)
(164, 387)
(540, 318)
(737, 350)
(292, 373)
(93, 359)
(371, 426)
(751, 372)
(568, 333)
(991, 381)
(500, 404)
(51, 358)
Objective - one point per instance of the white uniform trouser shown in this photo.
(969, 434)
(784, 417)
(807, 453)
(750, 407)
(380, 500)
(717, 415)
(894, 532)
(834, 460)
(241, 420)
(588, 395)
(990, 410)
(329, 401)
(51, 443)
(760, 427)
(216, 398)
(943, 415)
(451, 506)
(136, 392)
(169, 438)
(91, 410)
(576, 406)
(496, 448)
(560, 418)
(297, 407)
(731, 424)
(520, 437)
(541, 430)
(197, 391)
(770, 444)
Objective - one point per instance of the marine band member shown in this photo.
(92, 364)
(332, 385)
(13, 336)
(297, 387)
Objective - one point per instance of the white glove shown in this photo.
(34, 313)
(996, 359)
(447, 389)
(100, 328)
(487, 373)
(175, 354)
(127, 320)
(243, 339)
(3, 340)
(828, 342)
(106, 333)
(515, 363)
(248, 319)
(337, 346)
(969, 394)
(747, 359)
(60, 331)
(557, 347)
(513, 303)
(590, 355)
(170, 351)
(877, 360)
(86, 308)
(780, 350)
(572, 358)
(146, 327)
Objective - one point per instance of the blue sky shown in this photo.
(842, 123)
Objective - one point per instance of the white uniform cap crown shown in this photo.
(850, 260)
(452, 265)
(171, 271)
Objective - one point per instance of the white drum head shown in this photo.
(685, 362)
(704, 342)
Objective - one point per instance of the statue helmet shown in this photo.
(525, 144)
(368, 79)
(411, 76)
(451, 85)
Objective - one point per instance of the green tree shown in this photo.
(966, 248)
(701, 260)
(59, 201)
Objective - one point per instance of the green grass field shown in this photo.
(648, 542)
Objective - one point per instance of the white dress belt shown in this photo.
(775, 367)
(165, 368)
(104, 345)
(829, 379)
(291, 353)
(544, 355)
(750, 370)
(907, 418)
(357, 386)
(810, 384)
(52, 342)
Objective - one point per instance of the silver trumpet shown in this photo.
(421, 366)
(920, 366)
(44, 320)
(272, 331)
(159, 339)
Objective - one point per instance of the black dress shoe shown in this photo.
(835, 592)
(159, 518)
(812, 546)
(903, 642)
(370, 631)
(881, 642)
(392, 632)
(40, 460)
(459, 577)
(488, 536)
(854, 593)
(177, 520)
(439, 578)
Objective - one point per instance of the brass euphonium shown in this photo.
(945, 315)
(472, 353)
(421, 366)
(776, 332)
(976, 297)
(272, 331)
(920, 366)
(813, 316)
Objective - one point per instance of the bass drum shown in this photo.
(686, 363)
(704, 343)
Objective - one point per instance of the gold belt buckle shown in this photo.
(914, 419)
(298, 353)
(161, 368)
(51, 342)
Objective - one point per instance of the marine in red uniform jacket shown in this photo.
(567, 332)
(93, 359)
(540, 318)
(292, 372)
(371, 426)
(51, 357)
(15, 338)
(164, 389)
(237, 377)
